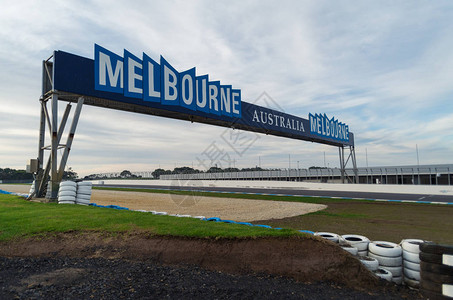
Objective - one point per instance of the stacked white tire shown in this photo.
(333, 237)
(390, 257)
(411, 261)
(67, 192)
(370, 263)
(357, 241)
(83, 192)
(32, 188)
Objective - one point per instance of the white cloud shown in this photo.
(383, 68)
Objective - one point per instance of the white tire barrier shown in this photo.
(370, 263)
(350, 249)
(387, 249)
(411, 265)
(387, 261)
(362, 253)
(396, 271)
(411, 257)
(83, 197)
(412, 245)
(358, 241)
(199, 217)
(67, 188)
(32, 188)
(390, 257)
(84, 192)
(68, 183)
(411, 274)
(333, 237)
(397, 280)
(384, 274)
(66, 202)
(67, 192)
(160, 213)
(411, 282)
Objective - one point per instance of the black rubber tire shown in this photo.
(436, 268)
(433, 296)
(434, 277)
(436, 248)
(431, 258)
(431, 286)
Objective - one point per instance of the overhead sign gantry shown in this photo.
(145, 86)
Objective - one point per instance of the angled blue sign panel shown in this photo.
(145, 79)
(145, 85)
(322, 126)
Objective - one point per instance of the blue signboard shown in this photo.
(147, 80)
(322, 126)
(144, 85)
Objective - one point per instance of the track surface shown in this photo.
(420, 198)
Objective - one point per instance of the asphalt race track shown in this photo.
(420, 198)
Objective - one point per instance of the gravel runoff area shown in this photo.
(98, 278)
(224, 208)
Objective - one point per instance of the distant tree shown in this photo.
(185, 170)
(156, 173)
(214, 170)
(231, 170)
(12, 174)
(126, 174)
(252, 169)
(70, 174)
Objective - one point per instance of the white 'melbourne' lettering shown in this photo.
(161, 83)
(323, 126)
(170, 84)
(213, 95)
(236, 102)
(202, 99)
(133, 76)
(225, 100)
(152, 89)
(115, 77)
(187, 78)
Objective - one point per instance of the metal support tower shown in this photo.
(49, 176)
(344, 175)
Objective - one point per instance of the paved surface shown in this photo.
(421, 198)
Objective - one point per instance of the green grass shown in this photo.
(20, 218)
(376, 220)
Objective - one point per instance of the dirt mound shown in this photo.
(304, 259)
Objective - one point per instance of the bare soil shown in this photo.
(307, 260)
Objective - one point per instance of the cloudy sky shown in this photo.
(385, 68)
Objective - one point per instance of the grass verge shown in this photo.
(377, 220)
(21, 218)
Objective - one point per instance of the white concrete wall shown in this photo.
(377, 188)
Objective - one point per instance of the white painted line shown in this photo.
(447, 290)
(447, 259)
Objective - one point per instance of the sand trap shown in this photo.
(224, 208)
